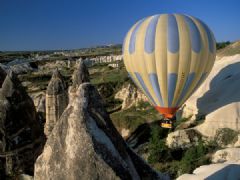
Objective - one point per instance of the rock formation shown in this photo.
(24, 177)
(182, 139)
(219, 171)
(103, 59)
(48, 66)
(39, 100)
(130, 96)
(56, 101)
(84, 144)
(226, 155)
(21, 138)
(237, 143)
(80, 76)
(218, 98)
(22, 68)
(225, 117)
(19, 67)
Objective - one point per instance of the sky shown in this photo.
(72, 24)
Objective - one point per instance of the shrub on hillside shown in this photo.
(193, 157)
(221, 45)
(226, 136)
(158, 151)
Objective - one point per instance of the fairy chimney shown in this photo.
(56, 101)
(80, 75)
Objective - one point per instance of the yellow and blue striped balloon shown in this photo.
(168, 57)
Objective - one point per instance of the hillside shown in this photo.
(230, 50)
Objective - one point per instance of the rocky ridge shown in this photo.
(85, 145)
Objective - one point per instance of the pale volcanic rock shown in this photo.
(84, 144)
(237, 143)
(51, 65)
(25, 177)
(182, 139)
(39, 101)
(22, 68)
(228, 154)
(130, 96)
(218, 98)
(80, 76)
(224, 117)
(219, 171)
(41, 106)
(19, 66)
(236, 56)
(125, 133)
(56, 101)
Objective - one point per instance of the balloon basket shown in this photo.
(167, 123)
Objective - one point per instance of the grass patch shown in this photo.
(104, 74)
(133, 117)
(109, 81)
(39, 81)
(229, 49)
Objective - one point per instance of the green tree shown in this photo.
(158, 151)
(193, 157)
(221, 45)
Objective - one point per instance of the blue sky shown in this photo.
(69, 24)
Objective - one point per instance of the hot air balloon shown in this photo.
(168, 57)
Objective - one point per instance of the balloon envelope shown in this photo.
(168, 57)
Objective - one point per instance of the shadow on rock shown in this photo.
(224, 90)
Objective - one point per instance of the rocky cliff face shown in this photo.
(56, 101)
(218, 98)
(21, 137)
(130, 96)
(84, 144)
